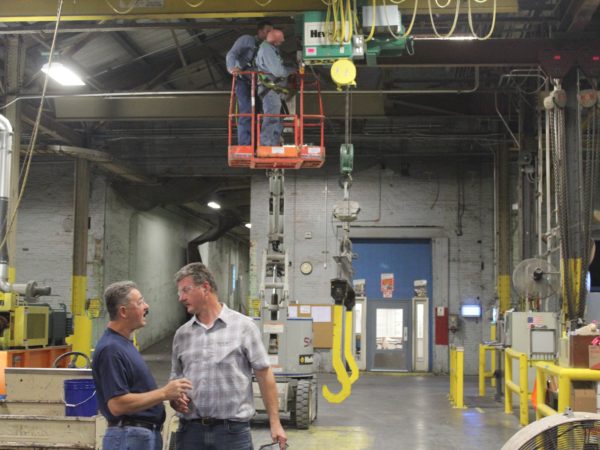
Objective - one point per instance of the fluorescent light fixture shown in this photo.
(248, 225)
(62, 74)
(214, 205)
(470, 310)
(449, 38)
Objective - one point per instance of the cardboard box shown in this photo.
(579, 355)
(322, 316)
(594, 357)
(583, 396)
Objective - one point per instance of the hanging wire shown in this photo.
(194, 5)
(470, 20)
(24, 175)
(118, 11)
(451, 32)
(263, 4)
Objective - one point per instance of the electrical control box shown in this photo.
(318, 45)
(533, 333)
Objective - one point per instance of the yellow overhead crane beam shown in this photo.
(44, 10)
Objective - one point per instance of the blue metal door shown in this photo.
(389, 320)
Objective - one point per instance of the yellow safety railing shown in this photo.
(457, 366)
(565, 376)
(483, 374)
(511, 387)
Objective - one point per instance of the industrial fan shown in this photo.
(568, 431)
(535, 279)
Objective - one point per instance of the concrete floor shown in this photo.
(386, 411)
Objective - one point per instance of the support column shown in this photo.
(13, 72)
(82, 324)
(503, 242)
(571, 202)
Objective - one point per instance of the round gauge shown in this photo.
(306, 267)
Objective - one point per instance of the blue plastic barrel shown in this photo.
(80, 397)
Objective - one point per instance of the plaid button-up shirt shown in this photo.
(219, 362)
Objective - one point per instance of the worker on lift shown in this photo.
(272, 86)
(240, 58)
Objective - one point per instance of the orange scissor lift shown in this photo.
(284, 336)
(296, 154)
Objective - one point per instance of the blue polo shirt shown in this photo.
(119, 369)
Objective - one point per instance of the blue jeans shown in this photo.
(270, 132)
(228, 436)
(131, 438)
(243, 88)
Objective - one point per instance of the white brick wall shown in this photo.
(44, 249)
(426, 198)
(123, 243)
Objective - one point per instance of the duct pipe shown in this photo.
(5, 166)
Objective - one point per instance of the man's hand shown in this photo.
(174, 389)
(235, 71)
(181, 404)
(278, 435)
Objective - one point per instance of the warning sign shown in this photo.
(387, 285)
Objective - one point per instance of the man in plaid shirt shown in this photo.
(217, 350)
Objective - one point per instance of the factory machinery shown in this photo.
(32, 333)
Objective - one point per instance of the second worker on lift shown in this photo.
(272, 87)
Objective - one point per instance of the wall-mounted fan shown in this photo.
(569, 431)
(536, 279)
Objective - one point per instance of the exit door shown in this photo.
(389, 331)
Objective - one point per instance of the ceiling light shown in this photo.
(214, 205)
(248, 225)
(62, 74)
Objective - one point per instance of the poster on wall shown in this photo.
(387, 285)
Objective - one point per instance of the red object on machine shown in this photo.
(441, 325)
(296, 155)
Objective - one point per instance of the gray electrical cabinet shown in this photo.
(533, 333)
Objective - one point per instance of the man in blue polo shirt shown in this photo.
(127, 393)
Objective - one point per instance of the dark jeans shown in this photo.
(228, 436)
(243, 87)
(131, 438)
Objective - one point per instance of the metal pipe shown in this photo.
(155, 94)
(5, 170)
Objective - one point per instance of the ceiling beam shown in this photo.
(51, 127)
(578, 15)
(42, 10)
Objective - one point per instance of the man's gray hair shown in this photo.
(199, 274)
(116, 295)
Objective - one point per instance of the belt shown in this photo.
(209, 421)
(136, 423)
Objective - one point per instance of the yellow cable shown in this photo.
(129, 9)
(412, 21)
(470, 16)
(372, 23)
(263, 4)
(194, 5)
(437, 2)
(453, 25)
(350, 20)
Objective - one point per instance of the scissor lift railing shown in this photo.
(297, 154)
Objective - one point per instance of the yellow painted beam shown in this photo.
(43, 10)
(504, 292)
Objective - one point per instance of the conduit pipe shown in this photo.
(155, 94)
(6, 133)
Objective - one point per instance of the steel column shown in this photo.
(82, 334)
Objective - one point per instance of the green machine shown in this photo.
(365, 33)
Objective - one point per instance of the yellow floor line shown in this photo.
(322, 438)
(480, 411)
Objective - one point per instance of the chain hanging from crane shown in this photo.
(342, 290)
